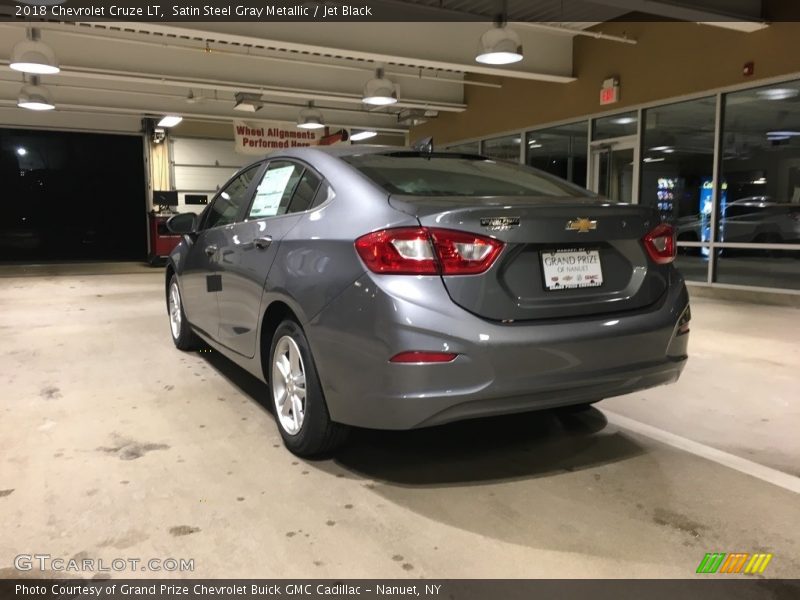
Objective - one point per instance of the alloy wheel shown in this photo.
(289, 385)
(175, 310)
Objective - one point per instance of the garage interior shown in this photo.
(113, 443)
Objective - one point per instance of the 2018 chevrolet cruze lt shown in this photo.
(395, 289)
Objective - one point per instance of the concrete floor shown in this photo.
(115, 445)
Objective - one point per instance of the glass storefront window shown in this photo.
(615, 126)
(560, 150)
(760, 168)
(467, 148)
(503, 148)
(677, 166)
(760, 268)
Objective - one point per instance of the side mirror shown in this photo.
(184, 223)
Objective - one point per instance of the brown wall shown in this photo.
(671, 59)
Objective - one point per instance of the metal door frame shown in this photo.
(628, 142)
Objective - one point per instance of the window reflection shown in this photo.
(560, 150)
(503, 148)
(677, 168)
(761, 166)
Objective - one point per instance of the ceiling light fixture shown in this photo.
(22, 151)
(34, 96)
(499, 45)
(32, 55)
(310, 118)
(170, 121)
(380, 91)
(247, 102)
(624, 120)
(363, 135)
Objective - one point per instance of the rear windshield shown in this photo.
(457, 175)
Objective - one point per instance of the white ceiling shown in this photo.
(137, 69)
(150, 68)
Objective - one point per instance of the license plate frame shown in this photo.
(571, 268)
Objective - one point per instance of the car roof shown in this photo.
(346, 150)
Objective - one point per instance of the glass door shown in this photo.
(614, 169)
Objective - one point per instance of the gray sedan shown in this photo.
(394, 289)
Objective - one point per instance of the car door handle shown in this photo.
(262, 242)
(211, 250)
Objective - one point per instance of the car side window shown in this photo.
(305, 191)
(226, 207)
(275, 190)
(324, 193)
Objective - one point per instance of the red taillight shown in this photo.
(427, 251)
(423, 357)
(402, 251)
(660, 244)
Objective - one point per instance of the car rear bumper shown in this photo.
(500, 368)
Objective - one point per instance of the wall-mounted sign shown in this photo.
(263, 137)
(609, 93)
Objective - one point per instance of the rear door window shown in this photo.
(304, 192)
(275, 190)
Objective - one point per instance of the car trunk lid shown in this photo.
(563, 257)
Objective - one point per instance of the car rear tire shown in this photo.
(182, 335)
(299, 404)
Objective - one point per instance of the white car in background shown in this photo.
(756, 219)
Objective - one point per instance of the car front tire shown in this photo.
(297, 399)
(182, 335)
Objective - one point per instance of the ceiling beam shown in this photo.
(371, 57)
(234, 87)
(739, 15)
(247, 53)
(143, 112)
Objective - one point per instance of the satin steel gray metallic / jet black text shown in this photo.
(393, 289)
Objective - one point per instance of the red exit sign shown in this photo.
(609, 95)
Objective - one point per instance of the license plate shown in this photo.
(571, 268)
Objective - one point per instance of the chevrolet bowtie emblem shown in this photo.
(581, 225)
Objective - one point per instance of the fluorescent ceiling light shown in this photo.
(534, 145)
(783, 133)
(22, 151)
(624, 120)
(661, 148)
(778, 93)
(379, 91)
(33, 56)
(247, 102)
(669, 151)
(33, 96)
(310, 118)
(170, 121)
(650, 159)
(363, 135)
(499, 46)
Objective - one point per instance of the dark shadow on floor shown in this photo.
(247, 384)
(487, 450)
(479, 450)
